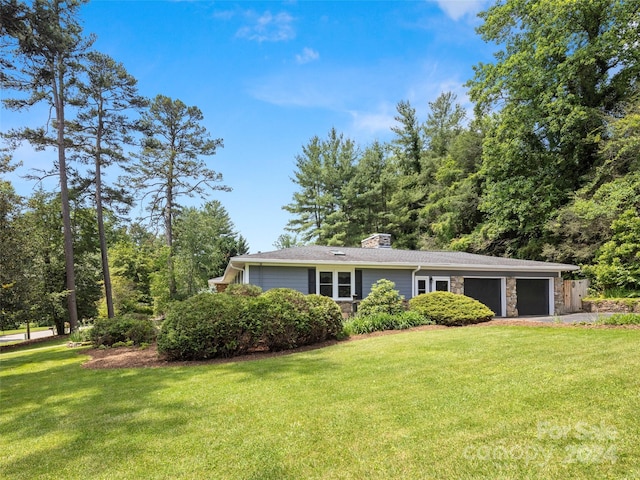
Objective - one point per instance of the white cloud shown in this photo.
(307, 55)
(456, 9)
(373, 124)
(268, 27)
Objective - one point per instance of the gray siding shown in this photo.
(402, 279)
(280, 277)
(268, 277)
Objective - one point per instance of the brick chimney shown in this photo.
(377, 240)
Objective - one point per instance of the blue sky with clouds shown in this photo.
(270, 75)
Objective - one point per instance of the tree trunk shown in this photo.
(58, 98)
(173, 289)
(106, 275)
(168, 230)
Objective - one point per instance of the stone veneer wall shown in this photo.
(456, 285)
(558, 297)
(377, 240)
(512, 297)
(613, 305)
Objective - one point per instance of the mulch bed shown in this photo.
(133, 357)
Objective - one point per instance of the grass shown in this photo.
(465, 403)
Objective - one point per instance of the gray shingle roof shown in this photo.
(392, 257)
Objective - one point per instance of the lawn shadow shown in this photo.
(60, 410)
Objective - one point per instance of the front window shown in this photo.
(344, 284)
(423, 285)
(326, 284)
(440, 284)
(335, 284)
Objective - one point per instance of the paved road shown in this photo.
(23, 336)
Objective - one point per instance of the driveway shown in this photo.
(587, 317)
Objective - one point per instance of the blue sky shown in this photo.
(270, 75)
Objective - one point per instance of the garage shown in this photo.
(487, 291)
(533, 296)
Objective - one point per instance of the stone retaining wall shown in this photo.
(612, 305)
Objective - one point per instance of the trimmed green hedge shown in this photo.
(220, 325)
(122, 329)
(446, 308)
(204, 326)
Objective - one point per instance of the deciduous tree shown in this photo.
(561, 67)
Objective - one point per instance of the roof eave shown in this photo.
(240, 263)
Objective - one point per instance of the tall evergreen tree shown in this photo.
(46, 46)
(100, 130)
(170, 165)
(408, 148)
(321, 212)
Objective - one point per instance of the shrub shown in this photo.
(218, 325)
(325, 317)
(243, 290)
(285, 321)
(383, 298)
(383, 321)
(622, 319)
(204, 326)
(125, 328)
(446, 308)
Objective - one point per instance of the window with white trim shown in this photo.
(326, 284)
(344, 284)
(422, 285)
(336, 284)
(440, 284)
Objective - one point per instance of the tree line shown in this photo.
(58, 251)
(546, 168)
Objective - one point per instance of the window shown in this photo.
(422, 285)
(335, 284)
(425, 284)
(344, 284)
(326, 284)
(440, 284)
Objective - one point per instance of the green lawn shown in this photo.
(498, 402)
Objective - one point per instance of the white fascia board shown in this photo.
(555, 268)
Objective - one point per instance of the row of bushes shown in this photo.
(383, 309)
(225, 325)
(243, 320)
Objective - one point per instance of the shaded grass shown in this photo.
(499, 402)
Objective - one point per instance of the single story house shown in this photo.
(508, 286)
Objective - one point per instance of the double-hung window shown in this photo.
(335, 284)
(326, 284)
